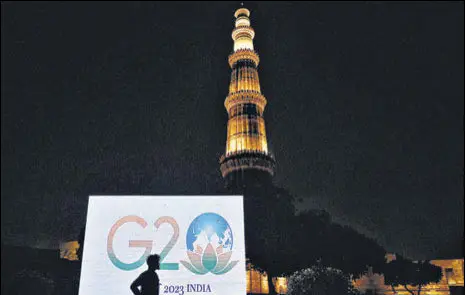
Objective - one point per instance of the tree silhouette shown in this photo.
(405, 272)
(280, 242)
(319, 280)
(268, 234)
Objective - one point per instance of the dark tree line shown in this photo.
(281, 242)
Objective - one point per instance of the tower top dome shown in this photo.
(242, 11)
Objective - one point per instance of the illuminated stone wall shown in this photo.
(68, 250)
(452, 275)
(257, 283)
(280, 285)
(452, 271)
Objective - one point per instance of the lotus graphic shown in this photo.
(209, 244)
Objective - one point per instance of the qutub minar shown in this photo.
(247, 158)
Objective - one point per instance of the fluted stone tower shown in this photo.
(247, 158)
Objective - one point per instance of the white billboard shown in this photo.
(200, 240)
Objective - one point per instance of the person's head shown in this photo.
(153, 261)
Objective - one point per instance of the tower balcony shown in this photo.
(243, 31)
(245, 96)
(243, 54)
(247, 160)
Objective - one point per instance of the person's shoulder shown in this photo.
(144, 274)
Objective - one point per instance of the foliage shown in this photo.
(320, 280)
(336, 245)
(405, 272)
(268, 237)
(281, 242)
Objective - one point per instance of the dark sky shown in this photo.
(364, 115)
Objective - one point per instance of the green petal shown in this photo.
(209, 258)
(223, 259)
(227, 268)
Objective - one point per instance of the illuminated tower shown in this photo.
(247, 158)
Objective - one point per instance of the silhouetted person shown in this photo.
(148, 280)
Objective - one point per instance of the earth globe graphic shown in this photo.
(209, 228)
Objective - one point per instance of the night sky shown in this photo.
(364, 114)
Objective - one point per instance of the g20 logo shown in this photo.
(209, 243)
(147, 244)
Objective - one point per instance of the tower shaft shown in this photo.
(246, 144)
